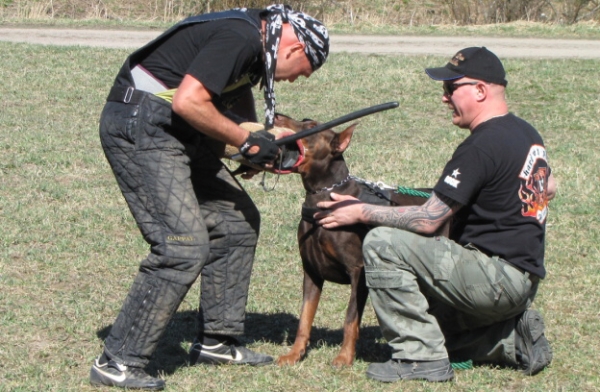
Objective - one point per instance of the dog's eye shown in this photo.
(307, 119)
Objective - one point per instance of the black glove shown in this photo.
(268, 150)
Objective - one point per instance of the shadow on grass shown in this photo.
(276, 328)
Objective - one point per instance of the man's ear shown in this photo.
(295, 48)
(482, 91)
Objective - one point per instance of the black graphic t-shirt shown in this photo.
(500, 175)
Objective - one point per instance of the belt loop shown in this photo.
(128, 94)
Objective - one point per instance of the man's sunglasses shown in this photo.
(450, 88)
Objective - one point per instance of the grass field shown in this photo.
(69, 248)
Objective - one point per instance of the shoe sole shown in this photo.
(449, 376)
(212, 362)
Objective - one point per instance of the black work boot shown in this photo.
(113, 374)
(395, 370)
(532, 348)
(227, 352)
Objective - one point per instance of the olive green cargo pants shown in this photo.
(436, 299)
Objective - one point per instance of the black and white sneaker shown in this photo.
(113, 374)
(226, 353)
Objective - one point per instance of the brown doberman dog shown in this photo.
(332, 255)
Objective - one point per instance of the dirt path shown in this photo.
(503, 47)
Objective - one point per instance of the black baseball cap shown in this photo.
(475, 62)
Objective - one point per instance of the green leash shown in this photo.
(412, 192)
(466, 365)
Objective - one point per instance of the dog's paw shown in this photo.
(290, 358)
(342, 361)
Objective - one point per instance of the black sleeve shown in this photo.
(465, 174)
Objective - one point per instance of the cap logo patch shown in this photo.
(456, 60)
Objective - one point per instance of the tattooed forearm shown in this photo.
(419, 219)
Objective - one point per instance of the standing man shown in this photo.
(467, 296)
(174, 106)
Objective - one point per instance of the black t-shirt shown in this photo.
(500, 175)
(225, 55)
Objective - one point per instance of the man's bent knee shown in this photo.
(177, 265)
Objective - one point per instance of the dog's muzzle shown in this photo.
(292, 155)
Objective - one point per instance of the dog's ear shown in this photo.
(341, 141)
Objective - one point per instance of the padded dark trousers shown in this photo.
(195, 216)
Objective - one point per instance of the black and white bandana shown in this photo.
(312, 33)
